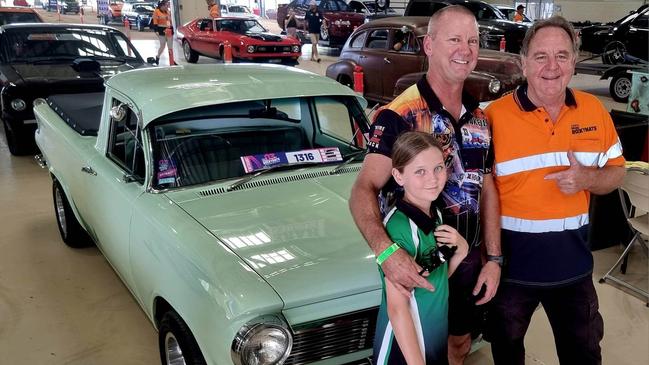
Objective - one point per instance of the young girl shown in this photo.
(413, 330)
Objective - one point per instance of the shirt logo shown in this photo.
(577, 130)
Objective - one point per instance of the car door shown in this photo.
(637, 36)
(404, 56)
(203, 34)
(373, 61)
(117, 181)
(354, 48)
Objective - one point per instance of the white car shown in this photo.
(235, 10)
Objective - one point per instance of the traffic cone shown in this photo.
(503, 43)
(358, 79)
(227, 52)
(170, 46)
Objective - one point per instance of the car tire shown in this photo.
(191, 56)
(176, 342)
(620, 87)
(346, 80)
(19, 141)
(382, 4)
(324, 33)
(72, 234)
(614, 53)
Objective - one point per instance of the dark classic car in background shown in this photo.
(626, 37)
(509, 12)
(138, 14)
(250, 41)
(38, 60)
(494, 25)
(370, 9)
(391, 53)
(341, 20)
(10, 14)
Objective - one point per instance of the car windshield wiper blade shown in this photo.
(247, 178)
(54, 59)
(348, 159)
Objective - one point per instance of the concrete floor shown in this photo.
(65, 306)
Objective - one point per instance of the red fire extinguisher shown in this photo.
(502, 44)
(358, 79)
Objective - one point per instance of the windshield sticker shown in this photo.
(261, 162)
(166, 172)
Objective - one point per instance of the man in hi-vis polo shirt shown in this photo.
(554, 146)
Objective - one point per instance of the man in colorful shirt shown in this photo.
(437, 105)
(554, 146)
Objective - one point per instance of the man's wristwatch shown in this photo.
(499, 259)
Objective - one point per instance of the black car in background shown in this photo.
(38, 60)
(493, 24)
(139, 14)
(627, 36)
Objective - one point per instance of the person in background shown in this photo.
(437, 105)
(215, 9)
(313, 21)
(519, 16)
(415, 226)
(290, 24)
(554, 147)
(162, 21)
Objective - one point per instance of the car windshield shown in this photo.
(239, 9)
(9, 18)
(52, 44)
(230, 141)
(144, 8)
(241, 26)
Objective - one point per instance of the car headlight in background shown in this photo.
(295, 49)
(494, 86)
(251, 49)
(264, 341)
(342, 22)
(18, 105)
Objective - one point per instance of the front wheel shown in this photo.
(324, 33)
(620, 87)
(71, 231)
(191, 56)
(176, 342)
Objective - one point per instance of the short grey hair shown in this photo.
(434, 19)
(556, 22)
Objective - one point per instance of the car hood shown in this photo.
(267, 37)
(506, 24)
(299, 236)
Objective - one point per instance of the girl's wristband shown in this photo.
(387, 253)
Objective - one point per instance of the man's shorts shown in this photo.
(464, 316)
(314, 38)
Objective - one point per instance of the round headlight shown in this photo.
(262, 343)
(494, 86)
(251, 49)
(18, 105)
(295, 49)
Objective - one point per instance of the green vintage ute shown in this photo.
(219, 193)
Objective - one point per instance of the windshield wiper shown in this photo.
(348, 159)
(54, 59)
(247, 178)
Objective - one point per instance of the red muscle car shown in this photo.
(250, 41)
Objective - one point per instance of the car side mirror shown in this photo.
(118, 112)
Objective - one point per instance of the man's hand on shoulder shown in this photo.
(403, 272)
(490, 278)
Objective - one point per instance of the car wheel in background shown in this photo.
(176, 342)
(346, 80)
(18, 137)
(191, 56)
(324, 33)
(71, 231)
(620, 87)
(614, 53)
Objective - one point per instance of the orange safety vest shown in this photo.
(518, 18)
(161, 18)
(215, 11)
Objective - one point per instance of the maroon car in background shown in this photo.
(250, 41)
(341, 20)
(391, 53)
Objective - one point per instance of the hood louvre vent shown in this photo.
(278, 180)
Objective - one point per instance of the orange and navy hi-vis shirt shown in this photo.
(215, 11)
(161, 18)
(465, 144)
(544, 231)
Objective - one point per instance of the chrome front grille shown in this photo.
(333, 337)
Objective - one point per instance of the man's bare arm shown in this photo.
(490, 218)
(400, 268)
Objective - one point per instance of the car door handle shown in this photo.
(89, 170)
(386, 60)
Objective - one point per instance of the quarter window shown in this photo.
(125, 144)
(358, 40)
(378, 39)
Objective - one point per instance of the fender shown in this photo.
(342, 67)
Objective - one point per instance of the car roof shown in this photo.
(53, 26)
(16, 9)
(420, 23)
(158, 91)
